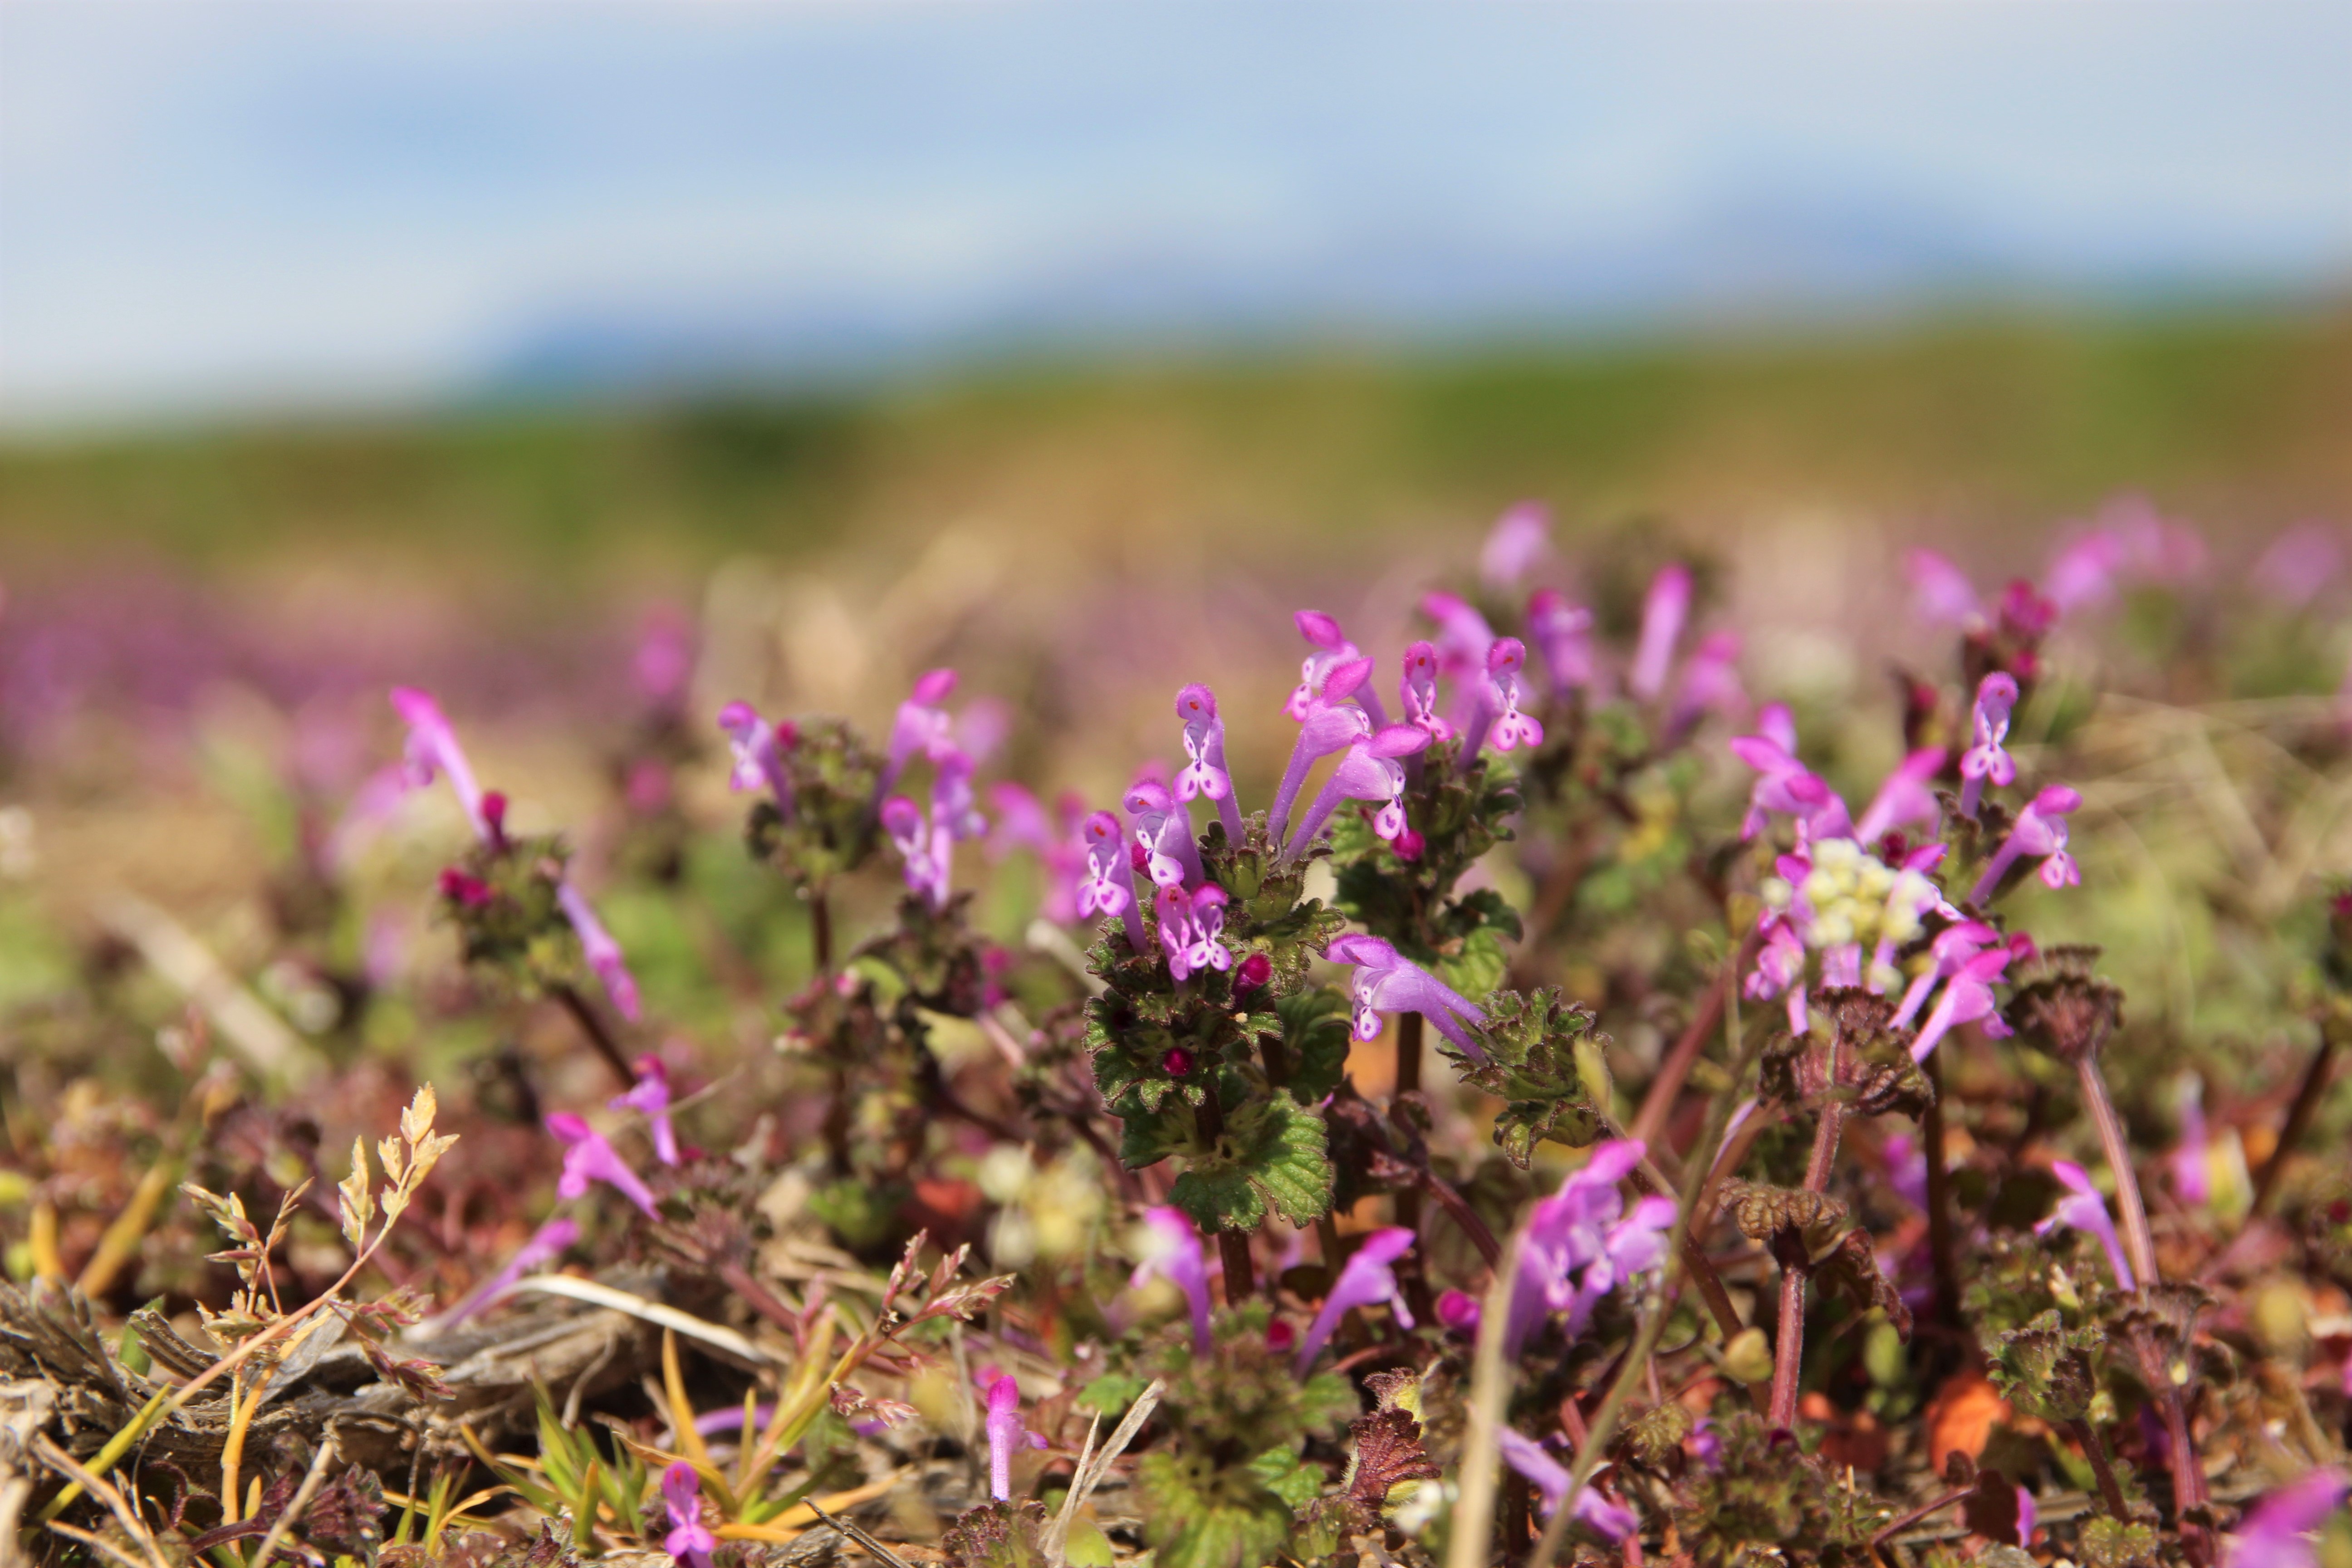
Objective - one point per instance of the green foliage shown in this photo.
(1200, 1514)
(833, 829)
(997, 1535)
(1766, 1503)
(1271, 1155)
(1531, 1062)
(2046, 1369)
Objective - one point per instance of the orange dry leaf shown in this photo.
(1962, 1415)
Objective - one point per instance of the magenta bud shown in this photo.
(1256, 971)
(1178, 1062)
(464, 888)
(494, 812)
(1281, 1338)
(1458, 1310)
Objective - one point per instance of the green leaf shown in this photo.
(1282, 1472)
(1315, 1033)
(1195, 1517)
(1273, 1153)
(1479, 965)
(1112, 1391)
(1531, 1042)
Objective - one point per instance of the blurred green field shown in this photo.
(1988, 423)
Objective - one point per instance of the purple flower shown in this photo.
(1907, 1170)
(1986, 762)
(433, 750)
(545, 1245)
(2191, 1178)
(1941, 592)
(1783, 783)
(1459, 1311)
(1954, 946)
(1366, 1280)
(2084, 1209)
(1968, 998)
(1005, 1433)
(1519, 539)
(1710, 682)
(955, 811)
(2276, 1532)
(2029, 1516)
(1663, 610)
(2041, 833)
(651, 1094)
(1904, 798)
(759, 750)
(602, 953)
(1163, 827)
(664, 660)
(1328, 727)
(1510, 729)
(921, 725)
(1369, 772)
(1191, 927)
(1334, 655)
(1613, 1522)
(1387, 982)
(1057, 842)
(2298, 565)
(1109, 885)
(1580, 1244)
(902, 821)
(2082, 574)
(1204, 772)
(1462, 635)
(689, 1540)
(1172, 1252)
(1562, 633)
(588, 1158)
(1417, 690)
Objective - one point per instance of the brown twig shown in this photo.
(584, 1015)
(1789, 1332)
(1943, 1255)
(2095, 1448)
(2300, 1110)
(1673, 1071)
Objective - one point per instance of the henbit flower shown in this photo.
(1462, 635)
(1370, 770)
(1191, 927)
(1109, 885)
(955, 810)
(2276, 1532)
(920, 725)
(1332, 725)
(1986, 762)
(1337, 656)
(1954, 946)
(588, 1158)
(1783, 783)
(983, 727)
(2081, 573)
(544, 1246)
(651, 1094)
(925, 869)
(1780, 967)
(1562, 633)
(2084, 1209)
(1905, 798)
(1663, 610)
(1417, 691)
(1367, 1279)
(1204, 744)
(1968, 998)
(1256, 971)
(602, 953)
(689, 1540)
(1580, 1244)
(2192, 1178)
(1519, 539)
(1459, 1311)
(2029, 1516)
(1613, 1522)
(1163, 828)
(1172, 1251)
(2040, 832)
(2298, 565)
(1906, 1169)
(1509, 728)
(1005, 1433)
(759, 747)
(433, 749)
(1388, 981)
(1710, 682)
(1941, 592)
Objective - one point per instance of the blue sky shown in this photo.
(209, 207)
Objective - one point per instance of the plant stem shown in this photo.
(2095, 1448)
(1233, 1246)
(584, 1015)
(1943, 1257)
(1408, 1053)
(820, 932)
(1789, 1332)
(2306, 1105)
(2139, 1243)
(1666, 1085)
